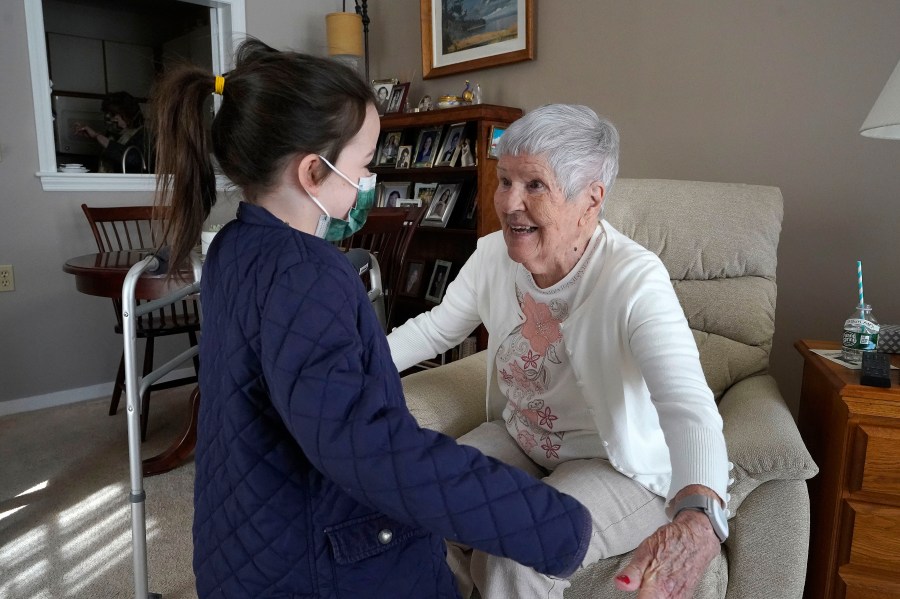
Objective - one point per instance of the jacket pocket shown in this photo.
(364, 537)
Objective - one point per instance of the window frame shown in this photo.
(228, 21)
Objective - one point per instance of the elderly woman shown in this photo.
(594, 380)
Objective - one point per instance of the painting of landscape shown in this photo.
(468, 24)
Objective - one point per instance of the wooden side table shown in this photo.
(853, 434)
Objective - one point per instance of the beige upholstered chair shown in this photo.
(719, 244)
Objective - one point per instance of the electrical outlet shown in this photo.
(7, 281)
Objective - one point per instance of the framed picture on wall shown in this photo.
(438, 282)
(485, 33)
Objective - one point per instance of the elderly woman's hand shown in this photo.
(671, 561)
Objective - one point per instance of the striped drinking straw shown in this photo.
(862, 301)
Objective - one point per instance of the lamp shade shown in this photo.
(345, 34)
(883, 121)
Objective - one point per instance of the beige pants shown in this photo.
(623, 514)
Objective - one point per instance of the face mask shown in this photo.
(335, 229)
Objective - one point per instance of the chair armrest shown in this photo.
(762, 438)
(450, 398)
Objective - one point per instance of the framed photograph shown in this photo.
(481, 34)
(382, 88)
(392, 191)
(438, 282)
(404, 155)
(441, 205)
(389, 149)
(448, 153)
(397, 98)
(466, 153)
(424, 192)
(472, 207)
(496, 132)
(412, 280)
(409, 203)
(426, 146)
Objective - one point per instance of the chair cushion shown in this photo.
(718, 242)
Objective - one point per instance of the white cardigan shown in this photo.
(630, 347)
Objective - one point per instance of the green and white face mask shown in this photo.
(335, 229)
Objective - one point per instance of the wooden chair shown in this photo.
(387, 235)
(131, 228)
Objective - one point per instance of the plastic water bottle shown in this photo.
(860, 334)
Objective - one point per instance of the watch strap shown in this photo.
(706, 504)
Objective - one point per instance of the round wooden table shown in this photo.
(102, 275)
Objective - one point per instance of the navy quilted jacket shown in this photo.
(313, 479)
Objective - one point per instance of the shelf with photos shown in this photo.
(441, 160)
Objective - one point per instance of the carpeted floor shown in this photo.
(65, 519)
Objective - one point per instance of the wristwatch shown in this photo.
(709, 506)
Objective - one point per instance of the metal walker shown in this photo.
(135, 385)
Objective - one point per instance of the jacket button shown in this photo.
(385, 536)
(606, 444)
(730, 466)
(727, 497)
(730, 481)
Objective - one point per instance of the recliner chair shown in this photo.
(718, 242)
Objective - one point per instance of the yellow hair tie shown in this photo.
(220, 84)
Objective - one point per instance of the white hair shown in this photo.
(579, 146)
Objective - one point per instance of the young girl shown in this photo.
(313, 479)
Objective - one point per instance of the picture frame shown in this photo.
(496, 132)
(466, 151)
(426, 146)
(382, 89)
(413, 279)
(397, 100)
(498, 40)
(447, 155)
(437, 284)
(409, 203)
(404, 155)
(441, 206)
(388, 149)
(424, 192)
(472, 208)
(391, 191)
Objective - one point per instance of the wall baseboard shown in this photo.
(70, 396)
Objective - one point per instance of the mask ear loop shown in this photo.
(343, 176)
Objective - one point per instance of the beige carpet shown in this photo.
(65, 519)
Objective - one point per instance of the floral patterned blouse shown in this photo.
(545, 411)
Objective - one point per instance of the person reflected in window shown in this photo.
(126, 136)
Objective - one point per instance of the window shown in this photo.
(227, 23)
